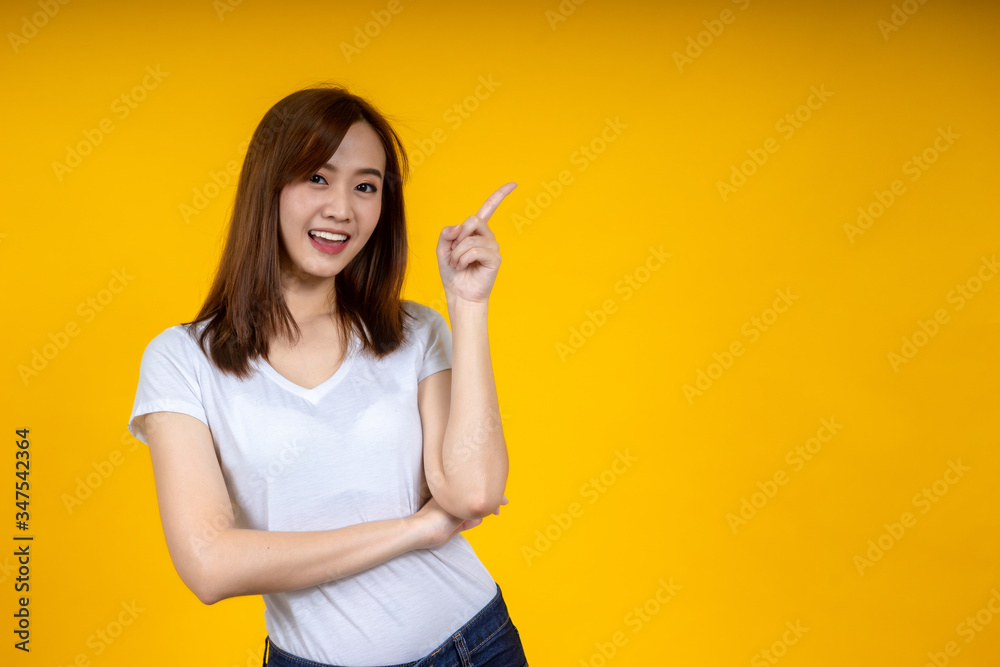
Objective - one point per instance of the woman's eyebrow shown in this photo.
(364, 170)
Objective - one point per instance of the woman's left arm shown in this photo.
(465, 454)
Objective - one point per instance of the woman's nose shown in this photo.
(337, 204)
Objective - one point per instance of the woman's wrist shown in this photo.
(458, 303)
(417, 531)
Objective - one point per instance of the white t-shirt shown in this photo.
(347, 451)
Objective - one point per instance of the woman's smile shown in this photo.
(328, 242)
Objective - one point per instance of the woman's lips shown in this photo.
(328, 247)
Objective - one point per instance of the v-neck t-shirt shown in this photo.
(347, 451)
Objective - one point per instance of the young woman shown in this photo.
(313, 439)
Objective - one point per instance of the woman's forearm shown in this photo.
(474, 452)
(241, 561)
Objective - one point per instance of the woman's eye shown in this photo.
(314, 176)
(373, 188)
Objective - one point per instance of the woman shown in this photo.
(309, 442)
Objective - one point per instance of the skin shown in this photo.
(341, 196)
(466, 466)
(217, 560)
(335, 197)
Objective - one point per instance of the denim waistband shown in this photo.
(488, 621)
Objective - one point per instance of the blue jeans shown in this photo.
(489, 639)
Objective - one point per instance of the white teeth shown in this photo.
(329, 236)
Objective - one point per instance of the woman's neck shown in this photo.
(308, 298)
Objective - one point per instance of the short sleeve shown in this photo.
(168, 381)
(437, 348)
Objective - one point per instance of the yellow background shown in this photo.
(682, 129)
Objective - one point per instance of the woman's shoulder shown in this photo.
(428, 323)
(423, 313)
(178, 340)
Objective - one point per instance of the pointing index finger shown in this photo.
(486, 210)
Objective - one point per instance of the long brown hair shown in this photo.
(245, 308)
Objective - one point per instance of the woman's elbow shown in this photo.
(487, 498)
(460, 505)
(465, 499)
(201, 578)
(478, 506)
(208, 592)
(204, 596)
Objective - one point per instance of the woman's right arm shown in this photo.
(218, 561)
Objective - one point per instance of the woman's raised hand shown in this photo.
(469, 255)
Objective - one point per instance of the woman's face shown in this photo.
(343, 197)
